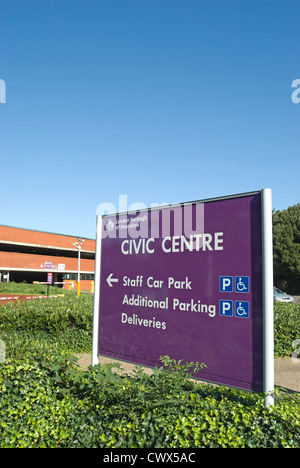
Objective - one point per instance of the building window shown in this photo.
(74, 276)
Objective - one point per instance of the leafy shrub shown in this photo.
(67, 323)
(286, 328)
(49, 402)
(63, 322)
(51, 315)
(32, 411)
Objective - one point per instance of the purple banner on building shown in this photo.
(186, 281)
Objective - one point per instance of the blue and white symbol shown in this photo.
(226, 308)
(242, 284)
(241, 309)
(226, 283)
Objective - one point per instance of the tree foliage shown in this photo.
(286, 246)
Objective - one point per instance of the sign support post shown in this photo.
(268, 323)
(97, 291)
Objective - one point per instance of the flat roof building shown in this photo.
(28, 255)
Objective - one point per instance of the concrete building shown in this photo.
(27, 255)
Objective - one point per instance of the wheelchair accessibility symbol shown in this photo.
(242, 284)
(241, 309)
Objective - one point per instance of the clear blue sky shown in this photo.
(161, 100)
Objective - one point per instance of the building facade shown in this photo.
(27, 255)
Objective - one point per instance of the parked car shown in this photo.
(281, 296)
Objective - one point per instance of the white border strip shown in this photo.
(268, 319)
(97, 291)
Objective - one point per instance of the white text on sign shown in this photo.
(154, 283)
(174, 244)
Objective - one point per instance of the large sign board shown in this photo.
(185, 281)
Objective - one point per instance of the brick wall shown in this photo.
(15, 260)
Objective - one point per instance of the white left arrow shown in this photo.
(111, 280)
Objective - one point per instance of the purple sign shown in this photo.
(49, 278)
(186, 281)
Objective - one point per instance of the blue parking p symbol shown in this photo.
(226, 308)
(226, 284)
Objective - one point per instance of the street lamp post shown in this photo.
(78, 245)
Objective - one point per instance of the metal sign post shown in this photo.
(97, 292)
(268, 320)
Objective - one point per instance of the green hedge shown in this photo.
(286, 328)
(64, 323)
(26, 288)
(48, 402)
(51, 315)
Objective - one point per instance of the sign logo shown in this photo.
(110, 225)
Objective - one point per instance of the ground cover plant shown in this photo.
(46, 400)
(49, 402)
